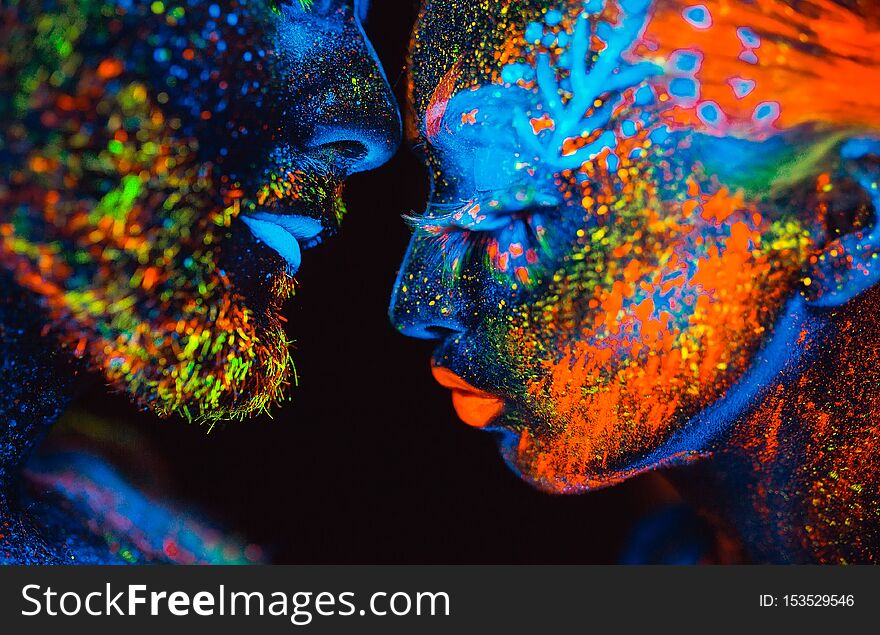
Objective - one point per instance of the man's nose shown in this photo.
(341, 106)
(426, 303)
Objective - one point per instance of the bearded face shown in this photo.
(627, 196)
(162, 167)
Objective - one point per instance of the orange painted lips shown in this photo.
(475, 407)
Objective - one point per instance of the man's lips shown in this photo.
(286, 234)
(473, 406)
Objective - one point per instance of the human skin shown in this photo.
(163, 165)
(650, 243)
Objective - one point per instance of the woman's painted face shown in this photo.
(625, 196)
(162, 166)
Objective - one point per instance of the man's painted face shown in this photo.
(162, 166)
(626, 194)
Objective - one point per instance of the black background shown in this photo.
(368, 463)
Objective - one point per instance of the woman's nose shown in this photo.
(339, 103)
(425, 304)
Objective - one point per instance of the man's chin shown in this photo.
(262, 385)
(234, 366)
(254, 368)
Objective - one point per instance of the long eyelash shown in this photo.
(454, 245)
(275, 5)
(439, 218)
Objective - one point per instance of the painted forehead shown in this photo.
(777, 62)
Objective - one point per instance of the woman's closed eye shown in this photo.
(486, 211)
(504, 229)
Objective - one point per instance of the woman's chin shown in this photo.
(556, 468)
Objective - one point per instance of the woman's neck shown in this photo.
(798, 477)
